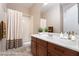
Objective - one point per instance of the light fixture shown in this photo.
(45, 4)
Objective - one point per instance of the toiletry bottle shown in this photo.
(69, 35)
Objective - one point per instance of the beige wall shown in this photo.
(24, 10)
(53, 17)
(35, 13)
(2, 11)
(2, 17)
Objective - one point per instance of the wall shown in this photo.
(71, 19)
(24, 10)
(2, 11)
(2, 17)
(53, 18)
(35, 13)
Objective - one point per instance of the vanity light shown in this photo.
(45, 4)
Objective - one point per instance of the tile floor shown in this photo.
(21, 51)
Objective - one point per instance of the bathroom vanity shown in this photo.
(45, 45)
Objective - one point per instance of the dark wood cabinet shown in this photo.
(33, 46)
(42, 43)
(34, 51)
(40, 47)
(52, 53)
(54, 49)
(41, 51)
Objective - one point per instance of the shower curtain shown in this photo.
(13, 29)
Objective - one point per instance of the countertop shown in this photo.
(55, 38)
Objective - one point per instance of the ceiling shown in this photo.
(48, 6)
(29, 5)
(24, 5)
(51, 5)
(66, 6)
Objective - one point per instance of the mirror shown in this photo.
(62, 16)
(70, 18)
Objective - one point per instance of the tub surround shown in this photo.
(62, 45)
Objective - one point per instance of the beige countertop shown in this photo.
(55, 38)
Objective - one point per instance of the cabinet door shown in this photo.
(54, 49)
(33, 51)
(52, 53)
(41, 47)
(41, 42)
(1, 30)
(69, 52)
(41, 51)
(33, 46)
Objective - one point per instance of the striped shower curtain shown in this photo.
(14, 39)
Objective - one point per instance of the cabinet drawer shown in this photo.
(69, 52)
(41, 42)
(61, 50)
(33, 44)
(51, 46)
(33, 50)
(54, 50)
(52, 53)
(41, 51)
